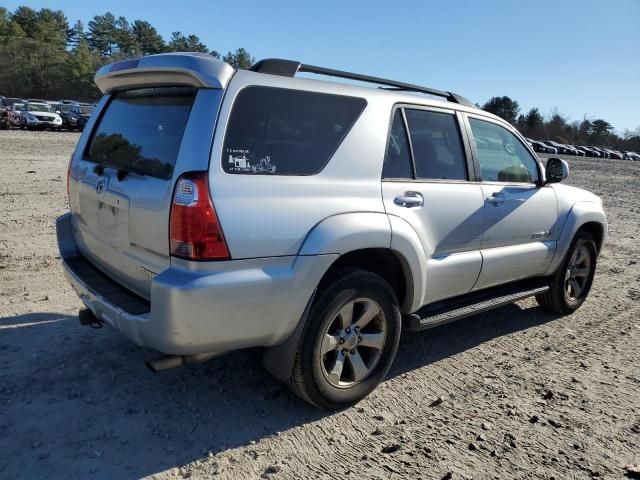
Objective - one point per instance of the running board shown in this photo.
(473, 303)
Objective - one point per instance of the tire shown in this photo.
(371, 303)
(562, 297)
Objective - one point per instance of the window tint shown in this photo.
(436, 143)
(286, 132)
(397, 163)
(141, 130)
(502, 156)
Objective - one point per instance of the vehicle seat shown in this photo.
(436, 161)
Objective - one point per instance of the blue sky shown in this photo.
(581, 56)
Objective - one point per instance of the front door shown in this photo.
(520, 216)
(426, 183)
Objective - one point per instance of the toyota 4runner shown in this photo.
(214, 209)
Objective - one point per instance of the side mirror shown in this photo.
(557, 170)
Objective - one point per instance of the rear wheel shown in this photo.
(572, 281)
(349, 341)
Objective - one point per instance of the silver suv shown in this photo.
(215, 209)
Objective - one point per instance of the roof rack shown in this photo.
(288, 68)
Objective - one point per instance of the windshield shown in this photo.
(39, 107)
(86, 109)
(65, 108)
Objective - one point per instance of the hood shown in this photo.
(575, 194)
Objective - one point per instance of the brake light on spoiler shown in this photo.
(194, 230)
(125, 65)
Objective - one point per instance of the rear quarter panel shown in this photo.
(264, 216)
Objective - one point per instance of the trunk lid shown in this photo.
(140, 139)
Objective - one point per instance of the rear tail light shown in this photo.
(195, 232)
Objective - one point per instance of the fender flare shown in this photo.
(579, 214)
(341, 234)
(346, 232)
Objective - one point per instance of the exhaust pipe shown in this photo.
(86, 317)
(166, 362)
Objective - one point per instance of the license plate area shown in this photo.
(105, 212)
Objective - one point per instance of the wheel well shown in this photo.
(382, 261)
(596, 230)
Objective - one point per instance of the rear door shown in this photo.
(427, 182)
(521, 230)
(123, 173)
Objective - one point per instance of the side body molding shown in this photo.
(346, 232)
(579, 214)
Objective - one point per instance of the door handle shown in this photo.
(496, 199)
(409, 200)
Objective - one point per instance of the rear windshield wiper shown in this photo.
(122, 172)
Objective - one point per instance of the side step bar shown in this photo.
(473, 303)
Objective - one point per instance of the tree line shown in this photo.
(44, 56)
(557, 127)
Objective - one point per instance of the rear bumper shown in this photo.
(200, 308)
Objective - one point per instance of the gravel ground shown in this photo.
(514, 393)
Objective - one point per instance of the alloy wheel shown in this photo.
(577, 275)
(353, 343)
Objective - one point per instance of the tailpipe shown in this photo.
(86, 317)
(166, 362)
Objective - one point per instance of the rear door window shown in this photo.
(437, 146)
(141, 130)
(276, 131)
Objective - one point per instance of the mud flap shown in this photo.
(278, 360)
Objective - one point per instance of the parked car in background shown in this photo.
(562, 149)
(69, 122)
(75, 115)
(39, 115)
(82, 113)
(594, 152)
(14, 114)
(10, 101)
(615, 154)
(603, 153)
(578, 152)
(588, 152)
(631, 156)
(542, 148)
(5, 122)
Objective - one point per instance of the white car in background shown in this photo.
(39, 115)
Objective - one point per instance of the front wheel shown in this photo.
(571, 283)
(349, 340)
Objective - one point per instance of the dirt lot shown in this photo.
(526, 394)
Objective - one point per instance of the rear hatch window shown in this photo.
(277, 131)
(141, 130)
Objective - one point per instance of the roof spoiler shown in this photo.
(288, 68)
(198, 70)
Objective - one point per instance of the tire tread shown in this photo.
(300, 378)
